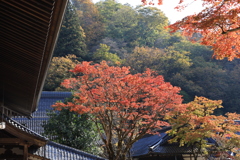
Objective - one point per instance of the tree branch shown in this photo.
(231, 30)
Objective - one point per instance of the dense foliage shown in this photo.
(124, 107)
(90, 20)
(71, 129)
(136, 37)
(58, 71)
(218, 23)
(71, 37)
(195, 125)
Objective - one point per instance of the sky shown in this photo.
(168, 8)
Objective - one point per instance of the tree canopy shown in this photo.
(123, 106)
(193, 124)
(71, 37)
(58, 71)
(103, 54)
(90, 20)
(71, 129)
(181, 62)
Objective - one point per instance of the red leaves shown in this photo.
(119, 100)
(124, 106)
(59, 106)
(69, 83)
(218, 23)
(150, 2)
(79, 108)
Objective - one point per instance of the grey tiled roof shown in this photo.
(172, 149)
(56, 151)
(141, 147)
(158, 144)
(48, 98)
(52, 150)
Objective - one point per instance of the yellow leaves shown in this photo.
(233, 116)
(197, 122)
(59, 70)
(202, 106)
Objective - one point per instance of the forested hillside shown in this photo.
(136, 37)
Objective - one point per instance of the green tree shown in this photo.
(90, 20)
(232, 100)
(205, 77)
(71, 129)
(107, 8)
(71, 38)
(116, 46)
(211, 82)
(166, 39)
(196, 50)
(103, 54)
(166, 62)
(137, 27)
(174, 62)
(122, 23)
(151, 23)
(142, 58)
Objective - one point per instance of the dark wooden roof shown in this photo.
(28, 33)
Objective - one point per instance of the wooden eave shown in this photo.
(21, 138)
(28, 34)
(17, 134)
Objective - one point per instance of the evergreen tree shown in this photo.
(71, 129)
(71, 38)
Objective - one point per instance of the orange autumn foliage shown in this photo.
(124, 106)
(194, 123)
(218, 23)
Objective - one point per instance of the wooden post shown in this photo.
(25, 152)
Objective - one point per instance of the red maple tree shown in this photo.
(123, 106)
(218, 23)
